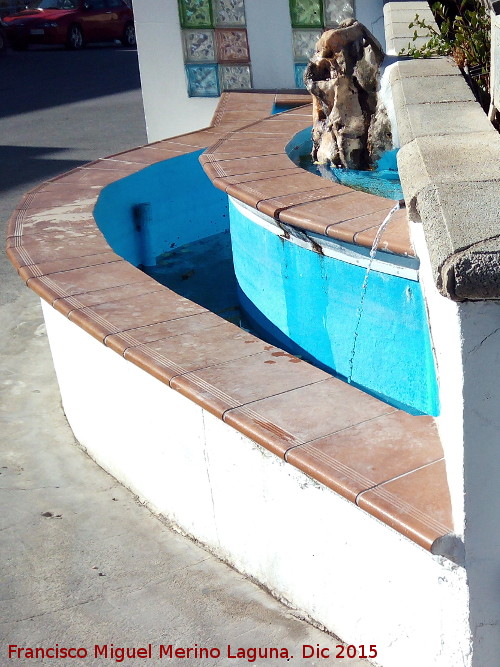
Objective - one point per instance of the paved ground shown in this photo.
(82, 562)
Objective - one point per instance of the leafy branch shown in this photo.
(464, 36)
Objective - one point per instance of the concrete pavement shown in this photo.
(82, 562)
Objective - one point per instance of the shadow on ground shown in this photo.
(33, 79)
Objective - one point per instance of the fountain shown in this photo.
(351, 128)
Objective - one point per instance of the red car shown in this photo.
(71, 22)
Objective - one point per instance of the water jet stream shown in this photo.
(364, 287)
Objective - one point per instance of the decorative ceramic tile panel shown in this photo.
(300, 68)
(203, 80)
(199, 45)
(235, 77)
(232, 45)
(304, 43)
(229, 13)
(306, 13)
(336, 11)
(195, 13)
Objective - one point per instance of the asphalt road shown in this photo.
(82, 563)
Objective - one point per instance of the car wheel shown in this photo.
(128, 38)
(74, 40)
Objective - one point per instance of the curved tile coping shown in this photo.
(251, 164)
(384, 460)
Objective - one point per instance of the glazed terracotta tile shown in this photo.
(67, 264)
(67, 304)
(395, 238)
(370, 453)
(134, 312)
(416, 505)
(246, 147)
(70, 283)
(192, 324)
(347, 229)
(250, 165)
(224, 182)
(39, 248)
(101, 176)
(293, 98)
(149, 155)
(62, 222)
(275, 206)
(63, 196)
(196, 140)
(317, 216)
(181, 354)
(318, 410)
(225, 386)
(264, 193)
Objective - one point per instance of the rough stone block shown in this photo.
(421, 120)
(432, 89)
(462, 228)
(406, 69)
(472, 157)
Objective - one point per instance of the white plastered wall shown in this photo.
(466, 339)
(168, 109)
(309, 546)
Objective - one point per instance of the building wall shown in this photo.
(168, 108)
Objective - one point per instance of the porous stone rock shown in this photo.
(350, 124)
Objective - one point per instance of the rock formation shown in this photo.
(350, 124)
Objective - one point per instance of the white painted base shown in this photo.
(307, 545)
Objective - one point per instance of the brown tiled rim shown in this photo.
(384, 460)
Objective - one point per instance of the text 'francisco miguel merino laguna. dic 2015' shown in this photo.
(120, 654)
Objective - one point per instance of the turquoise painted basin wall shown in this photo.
(309, 303)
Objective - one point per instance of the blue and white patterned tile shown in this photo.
(199, 46)
(203, 80)
(336, 11)
(304, 43)
(300, 68)
(235, 77)
(229, 13)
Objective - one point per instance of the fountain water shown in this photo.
(364, 286)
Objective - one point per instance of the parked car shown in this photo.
(71, 22)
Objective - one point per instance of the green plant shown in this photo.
(464, 36)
